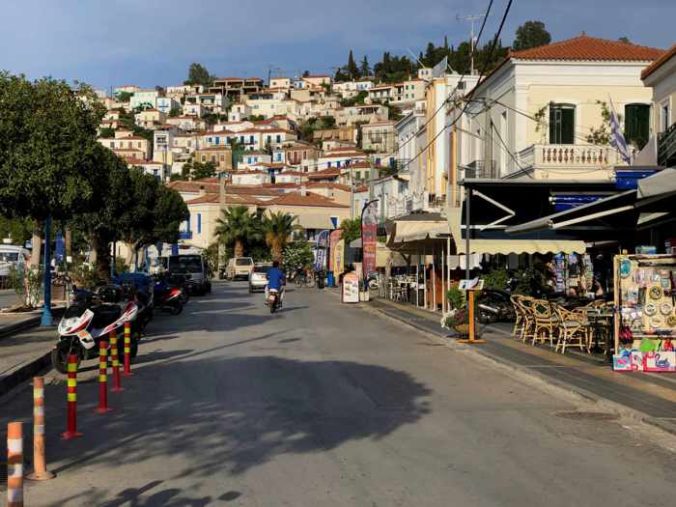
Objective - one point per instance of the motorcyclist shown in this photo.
(276, 281)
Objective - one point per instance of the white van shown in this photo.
(239, 267)
(11, 256)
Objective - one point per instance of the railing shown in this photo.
(480, 169)
(572, 156)
(666, 147)
(185, 235)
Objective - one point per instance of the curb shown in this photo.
(24, 373)
(17, 327)
(611, 405)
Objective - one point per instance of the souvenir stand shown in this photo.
(645, 324)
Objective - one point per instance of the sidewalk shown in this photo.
(651, 396)
(24, 347)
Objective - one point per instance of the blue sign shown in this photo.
(334, 222)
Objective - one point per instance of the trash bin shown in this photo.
(320, 280)
(330, 281)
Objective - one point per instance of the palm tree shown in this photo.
(237, 225)
(278, 228)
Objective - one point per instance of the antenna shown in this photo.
(472, 18)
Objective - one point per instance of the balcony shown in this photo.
(480, 169)
(666, 147)
(568, 156)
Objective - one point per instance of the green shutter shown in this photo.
(561, 124)
(637, 124)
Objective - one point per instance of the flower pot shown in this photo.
(462, 329)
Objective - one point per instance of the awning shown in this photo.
(506, 246)
(653, 200)
(384, 255)
(416, 232)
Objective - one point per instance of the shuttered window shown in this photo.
(561, 124)
(637, 124)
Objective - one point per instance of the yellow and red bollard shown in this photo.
(71, 420)
(115, 358)
(40, 472)
(103, 378)
(15, 464)
(127, 349)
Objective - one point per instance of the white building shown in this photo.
(144, 98)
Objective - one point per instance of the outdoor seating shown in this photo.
(524, 325)
(546, 322)
(574, 329)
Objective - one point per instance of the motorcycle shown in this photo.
(274, 300)
(90, 318)
(168, 297)
(495, 306)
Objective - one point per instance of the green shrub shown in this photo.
(456, 297)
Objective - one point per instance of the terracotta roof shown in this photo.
(326, 173)
(214, 198)
(328, 184)
(193, 186)
(584, 47)
(251, 190)
(296, 199)
(668, 55)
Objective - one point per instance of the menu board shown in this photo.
(351, 288)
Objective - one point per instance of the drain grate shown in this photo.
(588, 416)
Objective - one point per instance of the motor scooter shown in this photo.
(274, 300)
(86, 322)
(168, 297)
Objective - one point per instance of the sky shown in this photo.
(152, 42)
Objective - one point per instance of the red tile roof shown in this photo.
(326, 173)
(230, 199)
(328, 184)
(668, 55)
(296, 199)
(193, 186)
(584, 47)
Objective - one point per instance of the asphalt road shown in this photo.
(7, 298)
(328, 405)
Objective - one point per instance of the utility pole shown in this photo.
(472, 19)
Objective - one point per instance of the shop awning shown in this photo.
(416, 232)
(653, 200)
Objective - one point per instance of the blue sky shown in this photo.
(149, 42)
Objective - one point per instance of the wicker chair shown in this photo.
(574, 329)
(528, 328)
(546, 322)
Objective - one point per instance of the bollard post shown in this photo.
(127, 349)
(115, 357)
(40, 472)
(71, 421)
(15, 464)
(103, 378)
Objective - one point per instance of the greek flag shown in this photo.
(617, 139)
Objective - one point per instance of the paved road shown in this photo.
(327, 405)
(7, 298)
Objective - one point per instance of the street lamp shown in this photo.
(47, 319)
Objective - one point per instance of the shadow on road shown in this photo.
(226, 415)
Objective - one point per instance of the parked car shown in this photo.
(11, 256)
(239, 267)
(258, 278)
(199, 281)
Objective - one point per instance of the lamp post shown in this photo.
(47, 320)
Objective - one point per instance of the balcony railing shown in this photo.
(481, 169)
(666, 147)
(573, 156)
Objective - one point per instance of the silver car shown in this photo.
(258, 278)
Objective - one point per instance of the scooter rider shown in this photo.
(276, 281)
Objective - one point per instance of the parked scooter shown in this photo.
(168, 297)
(91, 317)
(495, 306)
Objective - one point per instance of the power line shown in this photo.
(504, 145)
(483, 70)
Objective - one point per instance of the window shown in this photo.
(279, 138)
(664, 117)
(251, 139)
(199, 223)
(357, 175)
(637, 124)
(204, 158)
(366, 175)
(562, 124)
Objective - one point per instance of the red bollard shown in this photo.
(103, 378)
(15, 464)
(115, 357)
(71, 428)
(127, 349)
(40, 472)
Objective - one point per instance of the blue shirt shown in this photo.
(275, 278)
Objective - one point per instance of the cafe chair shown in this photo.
(546, 322)
(574, 329)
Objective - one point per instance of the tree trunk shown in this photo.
(38, 233)
(68, 240)
(239, 248)
(102, 257)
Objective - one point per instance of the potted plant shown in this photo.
(457, 318)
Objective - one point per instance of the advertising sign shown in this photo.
(351, 288)
(338, 254)
(334, 238)
(369, 225)
(320, 253)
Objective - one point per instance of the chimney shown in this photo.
(202, 191)
(303, 190)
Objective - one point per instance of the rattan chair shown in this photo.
(546, 322)
(574, 329)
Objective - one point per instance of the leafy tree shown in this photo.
(351, 229)
(236, 226)
(352, 69)
(107, 133)
(198, 75)
(203, 170)
(169, 212)
(47, 144)
(19, 229)
(530, 35)
(174, 112)
(624, 39)
(365, 68)
(124, 96)
(277, 228)
(360, 98)
(298, 255)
